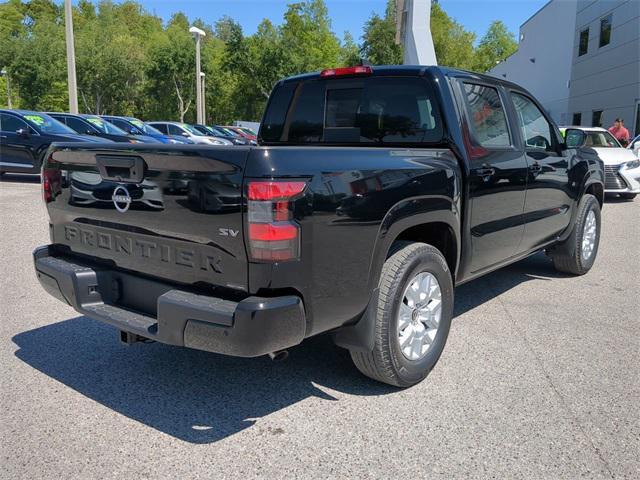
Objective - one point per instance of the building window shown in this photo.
(577, 119)
(605, 30)
(596, 118)
(584, 42)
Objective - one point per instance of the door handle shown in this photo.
(121, 169)
(485, 172)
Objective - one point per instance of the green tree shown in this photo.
(378, 45)
(38, 68)
(307, 37)
(452, 43)
(109, 63)
(11, 29)
(495, 46)
(257, 60)
(171, 71)
(129, 62)
(349, 51)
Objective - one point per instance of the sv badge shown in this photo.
(228, 232)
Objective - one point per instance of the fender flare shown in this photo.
(590, 179)
(409, 213)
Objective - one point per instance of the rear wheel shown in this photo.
(628, 196)
(413, 317)
(578, 253)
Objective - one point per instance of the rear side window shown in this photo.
(78, 125)
(9, 123)
(372, 110)
(487, 116)
(119, 123)
(174, 130)
(160, 126)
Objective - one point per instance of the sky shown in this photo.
(347, 15)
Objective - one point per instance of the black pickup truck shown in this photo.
(371, 194)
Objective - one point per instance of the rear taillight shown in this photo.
(347, 71)
(51, 184)
(273, 234)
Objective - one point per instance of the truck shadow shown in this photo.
(536, 267)
(201, 397)
(195, 396)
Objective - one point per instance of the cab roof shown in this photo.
(408, 70)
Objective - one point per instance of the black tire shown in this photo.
(628, 196)
(567, 257)
(386, 363)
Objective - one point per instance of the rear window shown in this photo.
(373, 110)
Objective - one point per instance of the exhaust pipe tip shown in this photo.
(279, 356)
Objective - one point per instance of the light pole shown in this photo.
(198, 34)
(5, 74)
(204, 110)
(71, 57)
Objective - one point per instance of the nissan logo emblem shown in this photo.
(121, 199)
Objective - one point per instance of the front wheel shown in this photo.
(577, 254)
(413, 316)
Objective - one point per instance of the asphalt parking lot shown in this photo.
(540, 379)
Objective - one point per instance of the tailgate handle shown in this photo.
(121, 169)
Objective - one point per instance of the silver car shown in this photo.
(187, 131)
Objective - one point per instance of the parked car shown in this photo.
(621, 165)
(134, 126)
(235, 135)
(221, 134)
(25, 136)
(94, 125)
(255, 257)
(634, 145)
(243, 132)
(184, 130)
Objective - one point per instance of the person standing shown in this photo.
(618, 131)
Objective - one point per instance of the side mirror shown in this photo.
(185, 134)
(133, 131)
(574, 138)
(23, 132)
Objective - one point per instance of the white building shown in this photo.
(542, 63)
(605, 75)
(581, 59)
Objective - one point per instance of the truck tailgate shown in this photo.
(172, 212)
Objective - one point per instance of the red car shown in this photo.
(243, 132)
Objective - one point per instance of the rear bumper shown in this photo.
(251, 327)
